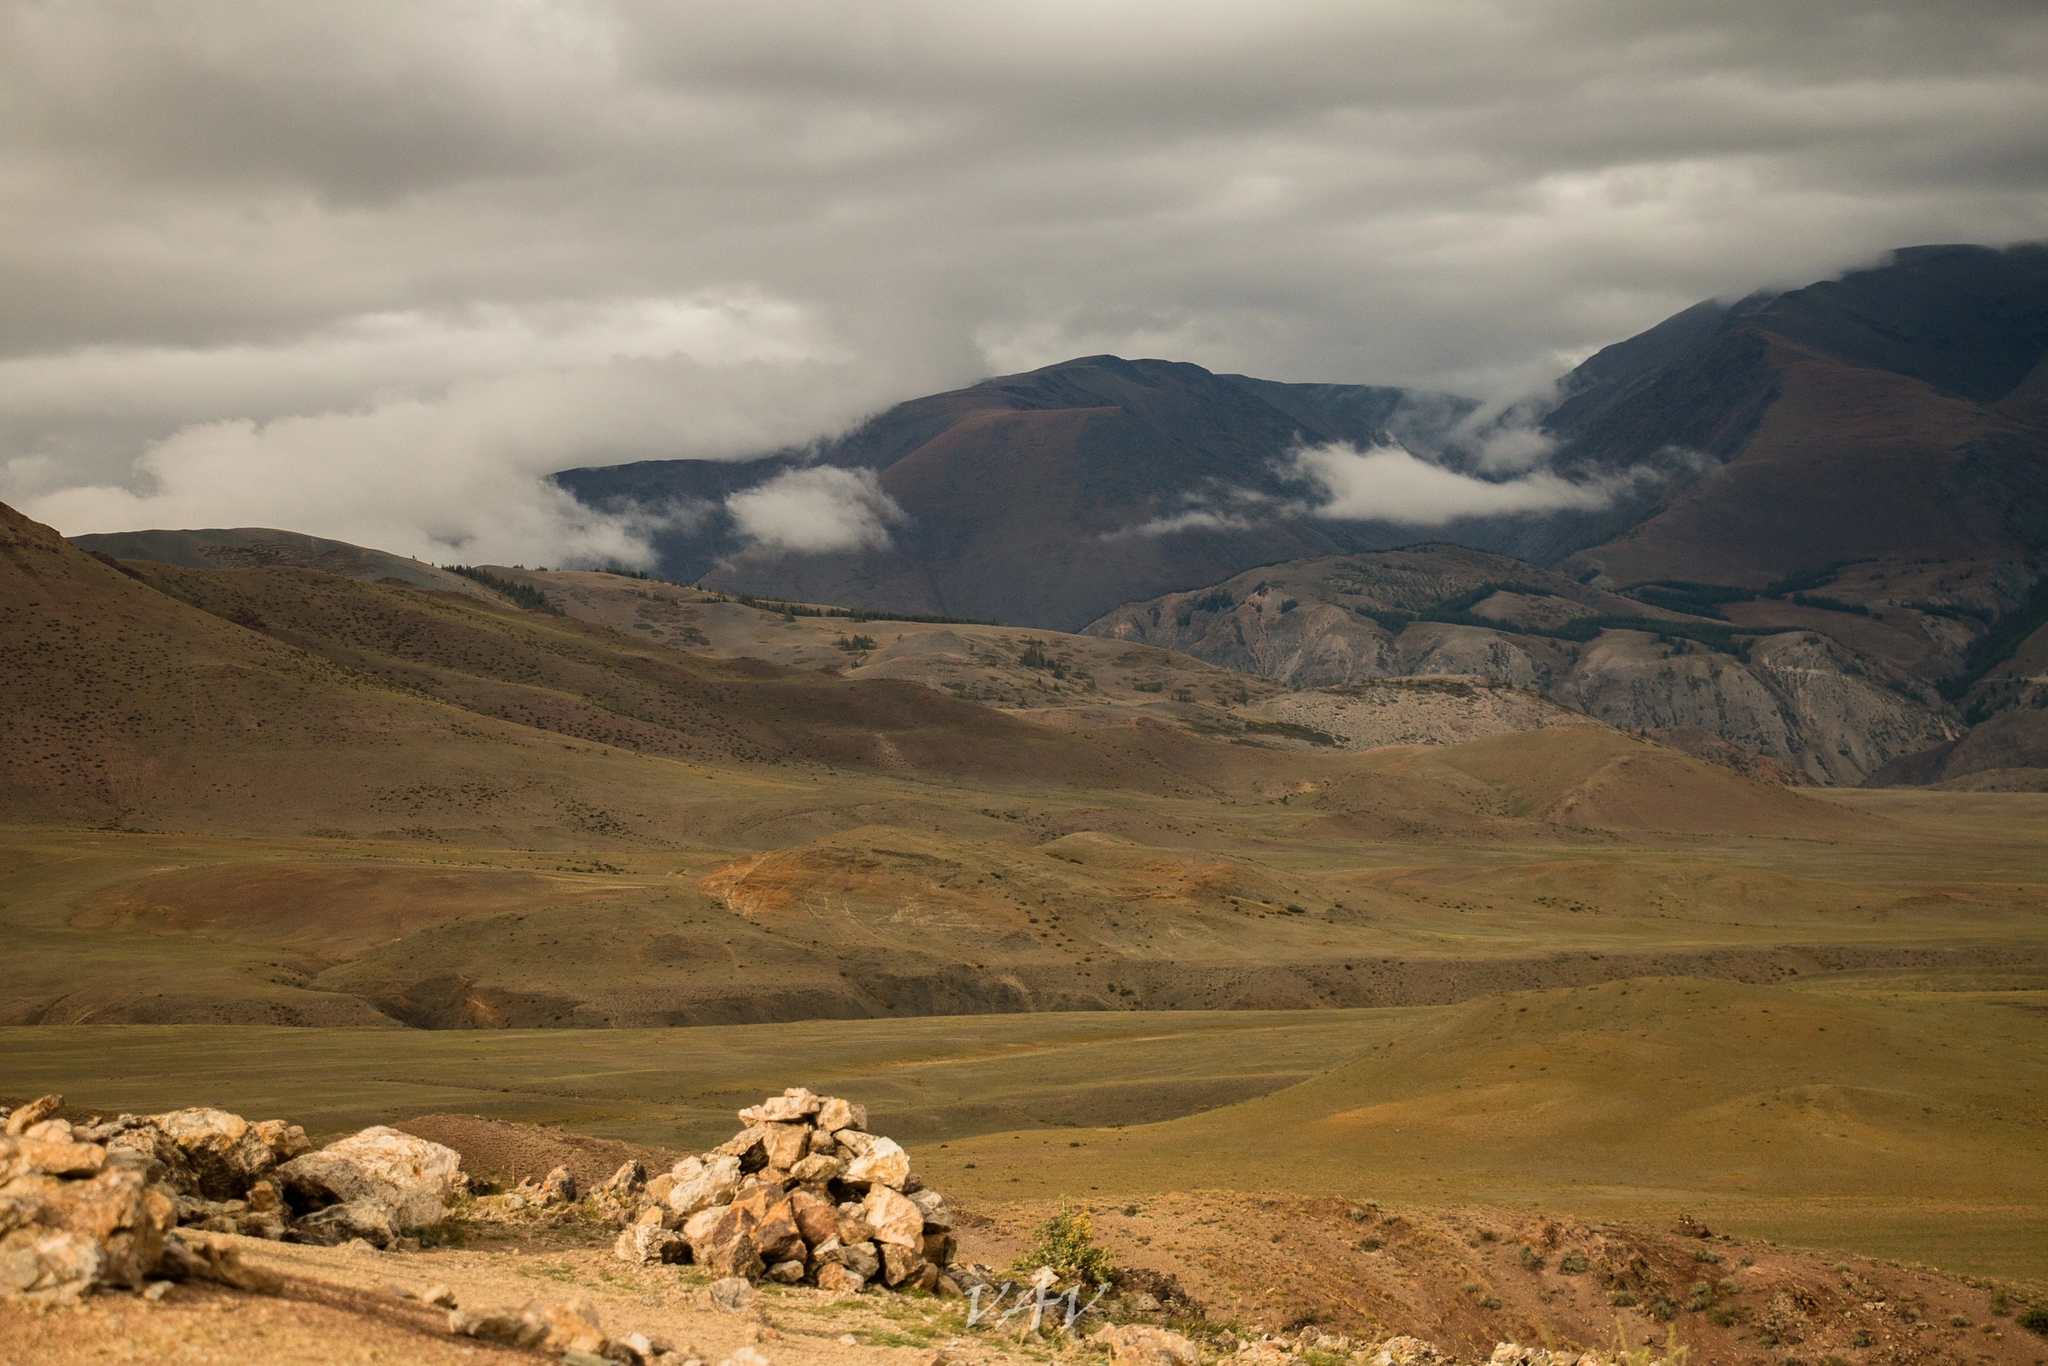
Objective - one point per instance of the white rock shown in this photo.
(409, 1179)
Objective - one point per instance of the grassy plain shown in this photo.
(1900, 1116)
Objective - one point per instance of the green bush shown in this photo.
(1622, 1299)
(1571, 1264)
(1859, 1338)
(1526, 1255)
(1066, 1243)
(2034, 1320)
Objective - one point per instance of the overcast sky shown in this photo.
(370, 269)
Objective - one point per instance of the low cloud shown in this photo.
(1388, 484)
(449, 460)
(816, 509)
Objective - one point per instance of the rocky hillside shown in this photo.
(1783, 679)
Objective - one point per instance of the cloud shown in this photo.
(817, 508)
(688, 227)
(1388, 484)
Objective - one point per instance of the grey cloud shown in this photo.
(206, 207)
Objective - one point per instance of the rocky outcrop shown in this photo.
(78, 1213)
(802, 1195)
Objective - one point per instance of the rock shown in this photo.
(651, 1245)
(1140, 1344)
(338, 1224)
(658, 1188)
(785, 1144)
(733, 1294)
(937, 1217)
(35, 1112)
(629, 1178)
(218, 1155)
(713, 1182)
(264, 1199)
(853, 1225)
(894, 1219)
(818, 1169)
(938, 1249)
(189, 1257)
(734, 1256)
(746, 1146)
(816, 1217)
(49, 1131)
(777, 1236)
(792, 1105)
(1406, 1351)
(884, 1163)
(41, 1157)
(842, 1279)
(899, 1264)
(699, 1226)
(746, 1356)
(125, 1219)
(407, 1179)
(787, 1273)
(512, 1327)
(659, 1215)
(556, 1188)
(1689, 1227)
(440, 1296)
(836, 1114)
(573, 1327)
(863, 1259)
(946, 1288)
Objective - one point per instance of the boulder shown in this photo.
(777, 1236)
(786, 1273)
(733, 1295)
(558, 1187)
(337, 1224)
(659, 1188)
(627, 1180)
(41, 1157)
(35, 1112)
(746, 1146)
(816, 1218)
(939, 1249)
(838, 1277)
(794, 1104)
(573, 1327)
(1406, 1351)
(860, 1258)
(1142, 1345)
(407, 1179)
(895, 1220)
(195, 1257)
(651, 1245)
(937, 1217)
(220, 1155)
(818, 1169)
(883, 1164)
(512, 1327)
(900, 1264)
(785, 1144)
(701, 1183)
(836, 1114)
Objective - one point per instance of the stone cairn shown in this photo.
(131, 1202)
(802, 1195)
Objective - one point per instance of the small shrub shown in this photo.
(1526, 1255)
(1702, 1297)
(1472, 1287)
(1728, 1287)
(2034, 1320)
(1859, 1338)
(2000, 1305)
(1489, 1303)
(1571, 1264)
(1707, 1255)
(1622, 1299)
(1066, 1243)
(1663, 1309)
(1725, 1318)
(1487, 1235)
(1959, 1320)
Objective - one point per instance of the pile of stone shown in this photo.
(802, 1195)
(132, 1200)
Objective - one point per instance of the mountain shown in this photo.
(1899, 413)
(1046, 498)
